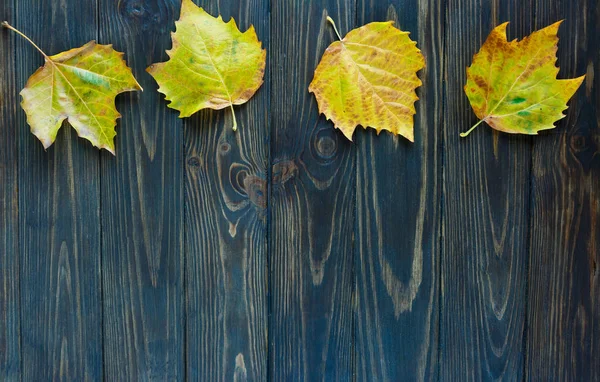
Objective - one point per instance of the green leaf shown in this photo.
(369, 78)
(512, 86)
(211, 64)
(80, 84)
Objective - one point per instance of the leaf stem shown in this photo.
(8, 26)
(234, 120)
(334, 27)
(462, 135)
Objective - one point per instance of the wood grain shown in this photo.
(59, 223)
(485, 223)
(563, 318)
(283, 252)
(399, 217)
(142, 207)
(312, 204)
(226, 203)
(10, 326)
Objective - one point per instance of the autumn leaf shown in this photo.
(211, 64)
(369, 78)
(512, 86)
(80, 84)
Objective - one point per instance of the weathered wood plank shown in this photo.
(563, 319)
(485, 224)
(225, 224)
(59, 222)
(10, 332)
(399, 215)
(312, 204)
(142, 207)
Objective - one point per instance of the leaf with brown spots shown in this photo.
(80, 84)
(369, 78)
(512, 86)
(211, 64)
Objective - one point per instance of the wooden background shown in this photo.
(283, 252)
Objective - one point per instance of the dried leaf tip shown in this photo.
(334, 27)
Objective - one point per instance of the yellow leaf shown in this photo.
(80, 84)
(512, 86)
(369, 78)
(211, 65)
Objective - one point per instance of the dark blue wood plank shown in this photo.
(225, 224)
(312, 204)
(485, 224)
(563, 318)
(399, 215)
(142, 207)
(10, 333)
(59, 223)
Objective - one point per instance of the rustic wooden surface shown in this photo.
(142, 207)
(312, 205)
(226, 228)
(59, 217)
(284, 252)
(398, 218)
(563, 315)
(485, 219)
(10, 326)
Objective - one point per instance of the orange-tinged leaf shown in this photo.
(80, 84)
(512, 86)
(369, 78)
(211, 64)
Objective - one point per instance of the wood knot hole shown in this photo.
(326, 147)
(578, 143)
(256, 190)
(325, 144)
(194, 162)
(134, 9)
(224, 148)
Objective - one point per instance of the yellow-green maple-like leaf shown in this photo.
(512, 86)
(369, 78)
(80, 84)
(211, 64)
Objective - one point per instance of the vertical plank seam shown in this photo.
(524, 345)
(19, 231)
(269, 209)
(101, 254)
(18, 243)
(355, 247)
(184, 126)
(184, 271)
(269, 166)
(441, 178)
(184, 253)
(527, 268)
